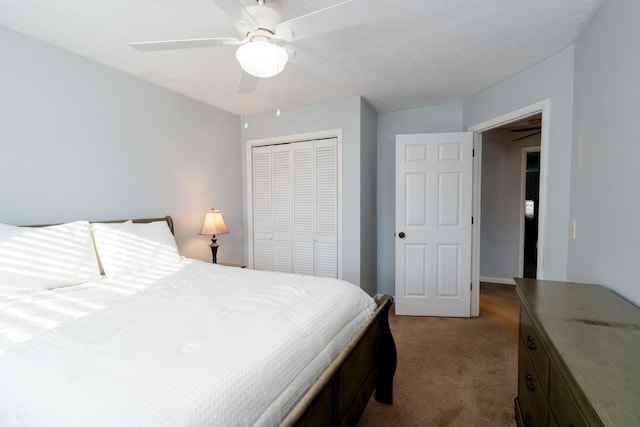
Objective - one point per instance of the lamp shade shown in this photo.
(262, 58)
(214, 223)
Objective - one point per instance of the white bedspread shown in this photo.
(192, 345)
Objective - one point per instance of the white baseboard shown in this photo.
(497, 280)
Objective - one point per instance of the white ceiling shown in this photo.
(420, 52)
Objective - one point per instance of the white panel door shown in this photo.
(433, 224)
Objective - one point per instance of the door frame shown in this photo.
(287, 139)
(523, 190)
(541, 107)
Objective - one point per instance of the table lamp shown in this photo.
(214, 224)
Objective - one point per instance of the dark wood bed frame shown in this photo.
(367, 363)
(342, 392)
(166, 219)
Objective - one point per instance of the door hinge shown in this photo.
(471, 220)
(471, 286)
(473, 152)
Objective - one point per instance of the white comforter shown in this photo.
(194, 344)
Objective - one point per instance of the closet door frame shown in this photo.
(311, 136)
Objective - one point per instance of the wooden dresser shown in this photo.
(578, 356)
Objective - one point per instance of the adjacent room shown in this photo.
(329, 212)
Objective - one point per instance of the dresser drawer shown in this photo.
(533, 399)
(524, 413)
(534, 348)
(563, 406)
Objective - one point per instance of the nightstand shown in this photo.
(231, 264)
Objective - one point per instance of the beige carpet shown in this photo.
(454, 372)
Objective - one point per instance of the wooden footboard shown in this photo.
(340, 395)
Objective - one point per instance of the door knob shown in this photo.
(401, 235)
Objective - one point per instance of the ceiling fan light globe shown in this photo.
(262, 58)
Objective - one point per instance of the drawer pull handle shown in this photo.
(530, 385)
(530, 344)
(528, 420)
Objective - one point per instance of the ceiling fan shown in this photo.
(538, 132)
(263, 32)
(535, 129)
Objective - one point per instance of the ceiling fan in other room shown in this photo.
(260, 49)
(534, 129)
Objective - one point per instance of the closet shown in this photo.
(295, 207)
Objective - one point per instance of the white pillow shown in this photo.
(37, 258)
(127, 247)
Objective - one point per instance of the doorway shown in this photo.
(510, 200)
(540, 130)
(530, 203)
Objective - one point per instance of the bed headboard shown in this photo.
(167, 219)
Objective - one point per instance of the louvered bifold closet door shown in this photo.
(303, 208)
(326, 208)
(281, 187)
(262, 209)
(295, 207)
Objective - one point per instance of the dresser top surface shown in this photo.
(597, 335)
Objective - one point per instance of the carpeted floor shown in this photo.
(454, 372)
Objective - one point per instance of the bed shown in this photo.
(105, 324)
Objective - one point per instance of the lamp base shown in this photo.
(214, 250)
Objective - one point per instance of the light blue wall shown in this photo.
(79, 140)
(368, 198)
(442, 118)
(550, 79)
(342, 114)
(605, 173)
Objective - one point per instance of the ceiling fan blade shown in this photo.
(318, 66)
(529, 129)
(526, 136)
(237, 12)
(185, 44)
(342, 15)
(247, 83)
